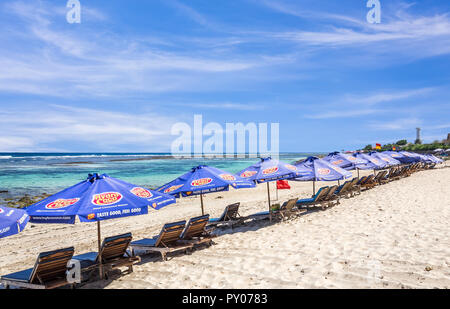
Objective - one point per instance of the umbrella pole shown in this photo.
(314, 187)
(357, 169)
(99, 250)
(201, 202)
(268, 198)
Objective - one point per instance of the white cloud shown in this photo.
(382, 96)
(44, 59)
(347, 113)
(397, 124)
(400, 35)
(352, 105)
(87, 129)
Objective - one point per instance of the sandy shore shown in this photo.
(394, 236)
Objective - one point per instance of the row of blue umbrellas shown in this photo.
(101, 197)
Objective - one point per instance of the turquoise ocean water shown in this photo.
(37, 173)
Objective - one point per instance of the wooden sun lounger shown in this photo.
(286, 211)
(368, 182)
(315, 199)
(331, 198)
(167, 241)
(196, 233)
(229, 217)
(394, 173)
(49, 272)
(354, 188)
(404, 172)
(114, 255)
(380, 178)
(343, 190)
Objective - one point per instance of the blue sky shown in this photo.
(121, 78)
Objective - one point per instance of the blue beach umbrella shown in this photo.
(95, 199)
(372, 164)
(388, 159)
(345, 161)
(12, 221)
(204, 179)
(268, 170)
(434, 159)
(400, 157)
(413, 156)
(321, 170)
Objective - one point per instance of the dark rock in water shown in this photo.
(4, 191)
(25, 200)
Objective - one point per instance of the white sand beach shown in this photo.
(393, 236)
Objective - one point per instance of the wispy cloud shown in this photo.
(355, 105)
(397, 124)
(85, 128)
(417, 36)
(383, 96)
(342, 114)
(59, 62)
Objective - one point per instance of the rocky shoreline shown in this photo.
(22, 201)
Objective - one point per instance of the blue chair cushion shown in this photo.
(262, 213)
(306, 200)
(86, 259)
(214, 219)
(22, 276)
(146, 242)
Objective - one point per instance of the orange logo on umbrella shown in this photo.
(173, 188)
(61, 203)
(201, 182)
(291, 167)
(270, 170)
(338, 162)
(248, 174)
(227, 177)
(107, 198)
(323, 171)
(91, 216)
(141, 192)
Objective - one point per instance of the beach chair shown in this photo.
(196, 233)
(361, 180)
(285, 212)
(114, 255)
(315, 199)
(354, 187)
(394, 173)
(167, 241)
(49, 272)
(343, 190)
(288, 209)
(404, 172)
(380, 178)
(229, 217)
(331, 198)
(368, 182)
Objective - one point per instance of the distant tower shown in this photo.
(418, 140)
